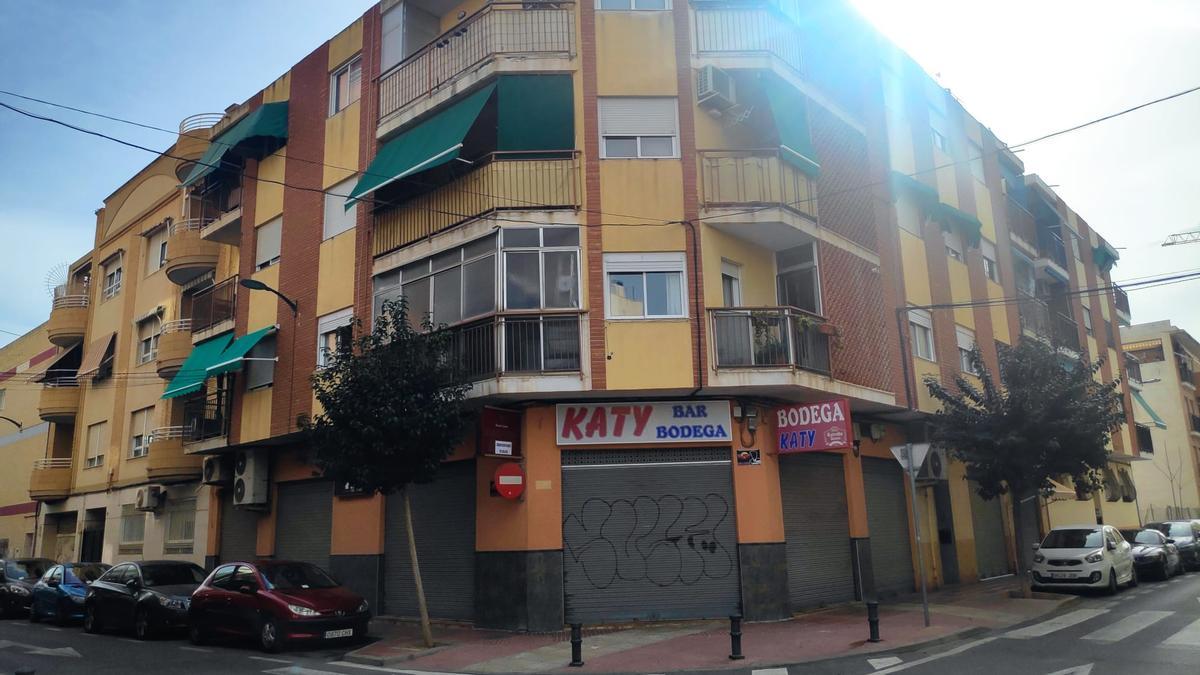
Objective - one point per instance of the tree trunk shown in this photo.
(1022, 575)
(426, 630)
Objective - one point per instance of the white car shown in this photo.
(1083, 556)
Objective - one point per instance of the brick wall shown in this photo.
(844, 205)
(864, 349)
(369, 118)
(594, 237)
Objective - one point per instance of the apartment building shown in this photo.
(23, 437)
(1167, 362)
(674, 243)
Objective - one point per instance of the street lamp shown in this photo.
(20, 427)
(256, 285)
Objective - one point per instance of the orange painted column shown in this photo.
(856, 496)
(756, 489)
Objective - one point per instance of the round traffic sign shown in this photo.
(509, 480)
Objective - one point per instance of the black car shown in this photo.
(1153, 553)
(17, 577)
(147, 597)
(1186, 534)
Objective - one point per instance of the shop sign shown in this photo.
(654, 423)
(810, 427)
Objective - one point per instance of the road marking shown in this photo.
(57, 630)
(1127, 626)
(1077, 670)
(41, 651)
(885, 662)
(196, 649)
(270, 660)
(1056, 624)
(1188, 637)
(770, 671)
(381, 669)
(297, 670)
(928, 659)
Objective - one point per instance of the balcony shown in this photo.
(754, 30)
(530, 36)
(194, 135)
(1145, 440)
(1022, 228)
(1051, 254)
(1041, 321)
(757, 196)
(769, 337)
(50, 479)
(1187, 375)
(1121, 301)
(1133, 371)
(68, 316)
(521, 350)
(1194, 426)
(189, 255)
(526, 181)
(59, 400)
(213, 309)
(166, 460)
(174, 346)
(222, 207)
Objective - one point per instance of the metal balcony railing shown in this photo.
(1050, 245)
(54, 381)
(1121, 299)
(65, 301)
(1186, 374)
(1195, 424)
(1145, 440)
(537, 28)
(187, 225)
(214, 304)
(205, 416)
(752, 29)
(1021, 223)
(543, 180)
(1133, 368)
(176, 326)
(199, 123)
(755, 178)
(52, 463)
(1042, 320)
(1064, 330)
(769, 337)
(519, 344)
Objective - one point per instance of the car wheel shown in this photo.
(142, 629)
(1133, 576)
(91, 622)
(197, 635)
(268, 635)
(33, 615)
(1112, 582)
(1165, 572)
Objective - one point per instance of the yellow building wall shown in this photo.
(1071, 512)
(269, 187)
(947, 184)
(634, 364)
(999, 313)
(983, 209)
(916, 269)
(921, 370)
(1121, 514)
(535, 521)
(279, 90)
(21, 448)
(450, 18)
(345, 44)
(635, 54)
(650, 188)
(264, 307)
(964, 527)
(756, 267)
(335, 276)
(256, 414)
(756, 488)
(900, 143)
(960, 291)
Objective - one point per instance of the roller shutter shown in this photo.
(817, 527)
(887, 519)
(444, 526)
(649, 534)
(239, 531)
(990, 549)
(304, 522)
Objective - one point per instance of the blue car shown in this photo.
(59, 594)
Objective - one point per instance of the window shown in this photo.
(266, 248)
(156, 249)
(338, 218)
(1074, 244)
(731, 283)
(139, 432)
(345, 84)
(645, 285)
(798, 282)
(937, 129)
(541, 268)
(954, 244)
(223, 577)
(638, 127)
(966, 340)
(133, 529)
(920, 329)
(112, 280)
(260, 363)
(452, 286)
(990, 269)
(976, 158)
(909, 215)
(181, 527)
(1087, 320)
(97, 438)
(333, 330)
(148, 331)
(644, 5)
(392, 51)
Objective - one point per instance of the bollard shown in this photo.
(576, 645)
(873, 620)
(735, 638)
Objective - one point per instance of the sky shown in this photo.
(1032, 67)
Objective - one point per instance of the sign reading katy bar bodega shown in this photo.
(664, 422)
(806, 427)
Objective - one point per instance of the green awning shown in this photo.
(235, 354)
(270, 120)
(790, 111)
(965, 223)
(1158, 421)
(431, 143)
(926, 195)
(194, 371)
(535, 112)
(1105, 257)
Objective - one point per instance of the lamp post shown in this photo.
(256, 285)
(20, 427)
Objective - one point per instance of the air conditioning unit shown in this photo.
(217, 471)
(714, 89)
(250, 486)
(936, 466)
(1004, 186)
(149, 498)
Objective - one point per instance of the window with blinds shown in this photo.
(139, 432)
(181, 527)
(97, 438)
(133, 529)
(639, 127)
(266, 248)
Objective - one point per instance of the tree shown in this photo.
(1045, 418)
(392, 411)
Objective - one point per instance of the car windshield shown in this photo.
(1141, 536)
(1174, 529)
(15, 570)
(84, 574)
(172, 575)
(296, 576)
(1073, 539)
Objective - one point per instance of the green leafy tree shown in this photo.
(392, 411)
(1045, 418)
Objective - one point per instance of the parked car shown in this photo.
(17, 577)
(148, 597)
(1084, 556)
(60, 592)
(1154, 553)
(276, 602)
(1186, 534)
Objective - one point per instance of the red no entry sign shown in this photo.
(509, 480)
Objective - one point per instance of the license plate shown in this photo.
(1062, 575)
(345, 632)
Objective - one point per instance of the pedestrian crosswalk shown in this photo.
(1108, 632)
(1123, 628)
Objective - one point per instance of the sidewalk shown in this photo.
(702, 645)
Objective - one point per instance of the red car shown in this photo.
(276, 602)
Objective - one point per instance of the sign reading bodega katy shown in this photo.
(666, 422)
(805, 427)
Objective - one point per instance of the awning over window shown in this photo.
(65, 365)
(965, 223)
(1158, 421)
(235, 354)
(95, 354)
(270, 120)
(431, 143)
(1105, 256)
(925, 194)
(790, 110)
(194, 371)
